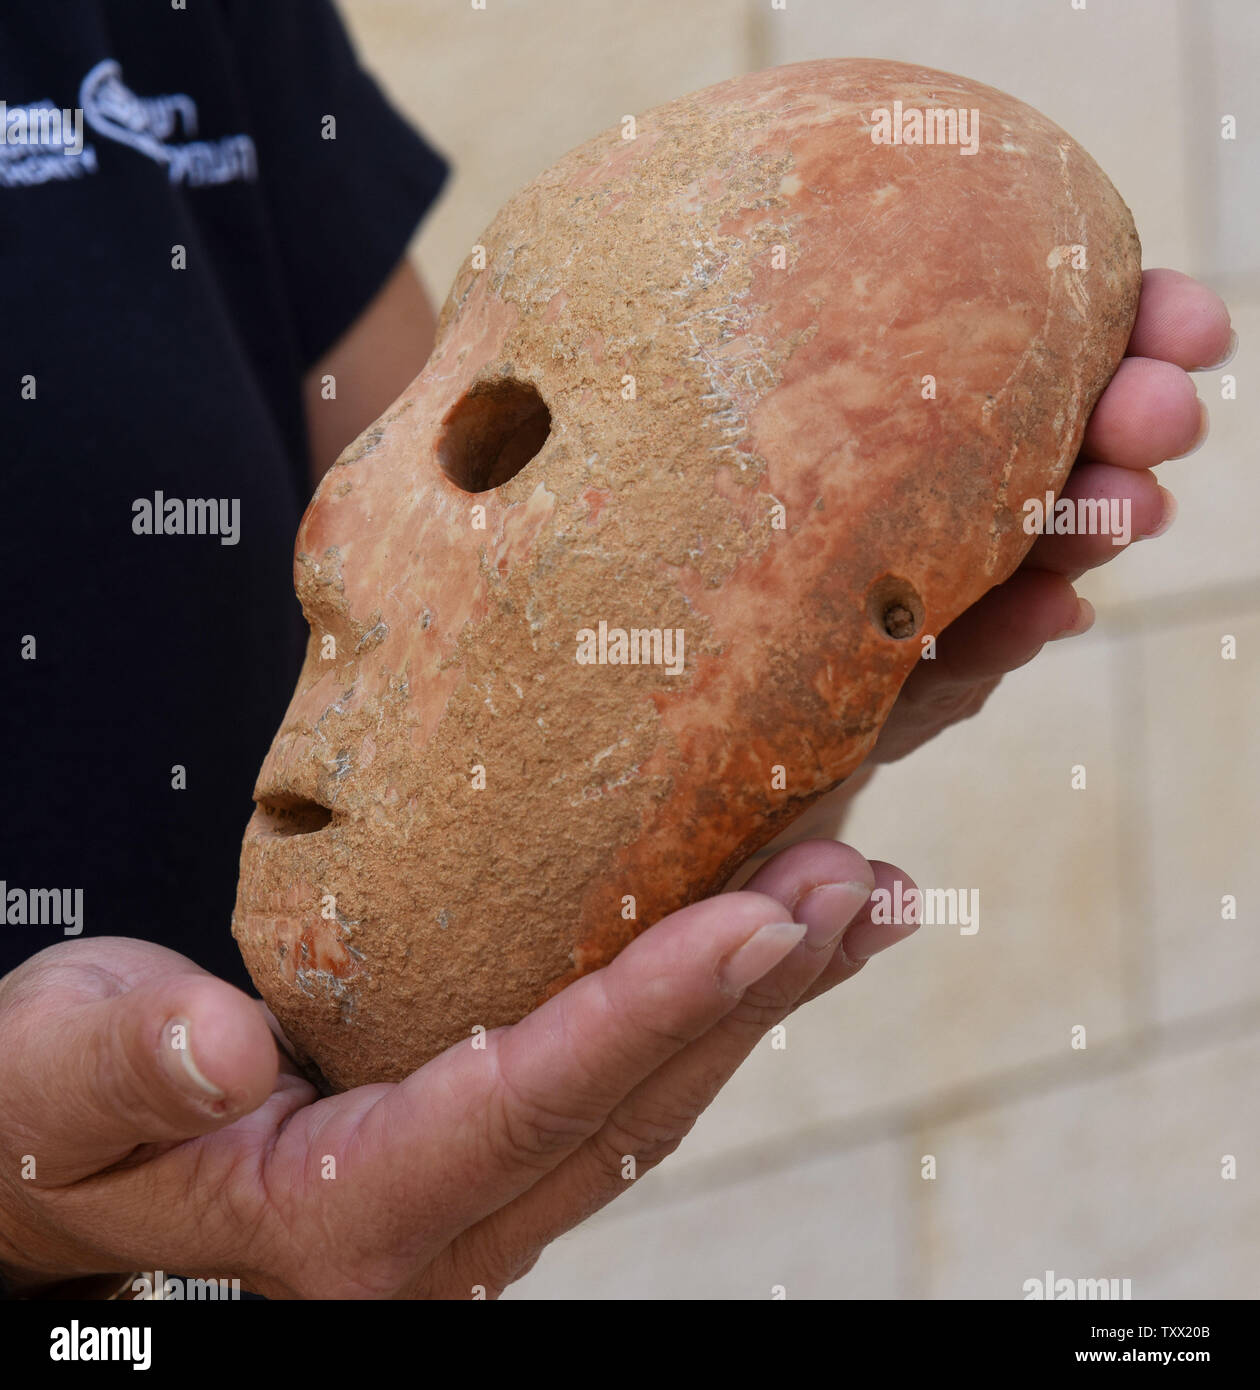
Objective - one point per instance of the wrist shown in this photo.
(24, 1273)
(95, 1287)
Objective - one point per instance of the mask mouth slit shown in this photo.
(492, 433)
(282, 815)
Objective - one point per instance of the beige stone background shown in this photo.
(1099, 908)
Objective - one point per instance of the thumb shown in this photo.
(173, 1056)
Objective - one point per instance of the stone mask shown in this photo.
(731, 409)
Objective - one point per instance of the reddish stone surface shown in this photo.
(778, 286)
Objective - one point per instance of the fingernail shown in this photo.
(177, 1057)
(828, 909)
(1167, 517)
(758, 956)
(1229, 354)
(1200, 439)
(1083, 621)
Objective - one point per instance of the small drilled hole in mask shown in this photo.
(492, 434)
(894, 607)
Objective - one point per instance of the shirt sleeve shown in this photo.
(343, 208)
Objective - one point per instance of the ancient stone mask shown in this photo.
(730, 410)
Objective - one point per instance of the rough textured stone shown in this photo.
(778, 286)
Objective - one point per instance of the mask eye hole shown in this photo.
(492, 433)
(894, 607)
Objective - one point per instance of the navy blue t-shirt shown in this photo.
(171, 262)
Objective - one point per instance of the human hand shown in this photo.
(218, 1160)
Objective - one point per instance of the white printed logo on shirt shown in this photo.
(40, 142)
(146, 123)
